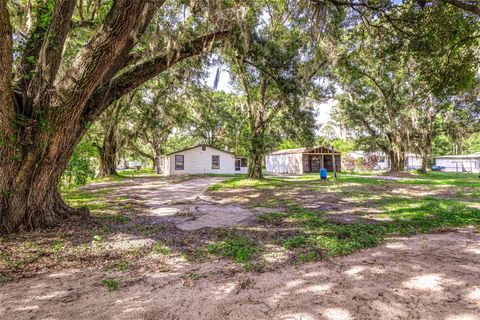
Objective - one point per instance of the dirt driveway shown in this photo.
(185, 204)
(433, 276)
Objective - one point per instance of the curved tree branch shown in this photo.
(130, 79)
(100, 55)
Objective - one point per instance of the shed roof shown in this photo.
(463, 156)
(316, 150)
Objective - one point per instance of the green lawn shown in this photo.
(452, 204)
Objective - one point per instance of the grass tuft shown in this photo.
(239, 248)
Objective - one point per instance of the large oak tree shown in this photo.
(49, 96)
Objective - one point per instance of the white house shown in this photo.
(459, 163)
(202, 159)
(413, 161)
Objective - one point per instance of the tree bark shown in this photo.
(31, 198)
(108, 152)
(256, 156)
(423, 169)
(397, 161)
(157, 165)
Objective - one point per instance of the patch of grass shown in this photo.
(255, 266)
(160, 248)
(475, 194)
(149, 229)
(295, 242)
(58, 247)
(195, 255)
(238, 248)
(93, 200)
(242, 182)
(97, 240)
(120, 218)
(326, 237)
(459, 194)
(122, 265)
(271, 217)
(111, 283)
(14, 262)
(5, 279)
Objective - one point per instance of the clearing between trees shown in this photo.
(228, 247)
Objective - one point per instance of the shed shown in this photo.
(302, 160)
(459, 163)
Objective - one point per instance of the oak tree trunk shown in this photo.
(423, 168)
(29, 196)
(256, 156)
(157, 165)
(397, 161)
(108, 152)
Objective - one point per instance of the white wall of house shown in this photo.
(413, 161)
(198, 161)
(284, 163)
(243, 170)
(383, 163)
(459, 164)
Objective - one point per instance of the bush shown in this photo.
(81, 167)
(349, 163)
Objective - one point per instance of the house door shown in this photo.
(237, 164)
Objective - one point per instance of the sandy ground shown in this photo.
(186, 205)
(434, 276)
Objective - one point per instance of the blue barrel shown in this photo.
(323, 174)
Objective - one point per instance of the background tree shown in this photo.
(111, 140)
(216, 119)
(274, 69)
(155, 112)
(397, 79)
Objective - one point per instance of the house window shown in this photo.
(179, 162)
(204, 148)
(215, 162)
(243, 162)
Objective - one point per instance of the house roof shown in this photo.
(197, 146)
(463, 156)
(304, 150)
